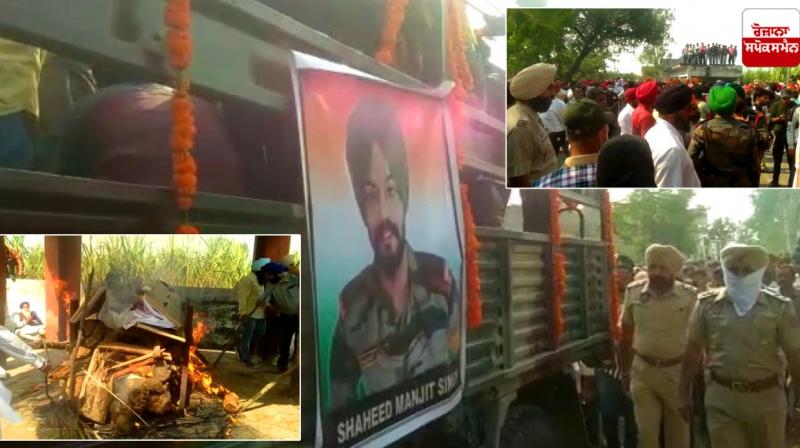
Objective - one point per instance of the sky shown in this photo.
(734, 204)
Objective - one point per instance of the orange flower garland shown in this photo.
(395, 16)
(559, 269)
(613, 290)
(456, 106)
(177, 18)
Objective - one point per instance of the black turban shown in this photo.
(673, 99)
(626, 161)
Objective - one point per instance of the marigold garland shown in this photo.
(456, 103)
(613, 290)
(177, 18)
(559, 269)
(395, 15)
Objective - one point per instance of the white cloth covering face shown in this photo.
(743, 291)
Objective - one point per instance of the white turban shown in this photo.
(532, 81)
(665, 256)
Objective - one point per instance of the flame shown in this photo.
(196, 372)
(59, 289)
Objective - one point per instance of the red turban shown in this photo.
(647, 93)
(630, 95)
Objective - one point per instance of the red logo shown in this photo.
(771, 37)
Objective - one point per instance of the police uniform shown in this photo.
(530, 151)
(745, 401)
(659, 339)
(725, 153)
(373, 349)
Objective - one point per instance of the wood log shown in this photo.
(92, 363)
(159, 332)
(125, 348)
(73, 357)
(155, 354)
(187, 332)
(87, 306)
(269, 386)
(97, 398)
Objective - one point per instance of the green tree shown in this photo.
(652, 57)
(775, 219)
(658, 216)
(575, 39)
(723, 230)
(32, 257)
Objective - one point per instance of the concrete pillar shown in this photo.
(62, 273)
(273, 247)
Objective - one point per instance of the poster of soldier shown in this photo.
(642, 98)
(387, 254)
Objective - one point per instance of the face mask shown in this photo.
(743, 291)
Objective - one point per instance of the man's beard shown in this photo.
(541, 104)
(682, 123)
(387, 262)
(661, 284)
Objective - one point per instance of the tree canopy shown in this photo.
(579, 41)
(658, 216)
(774, 221)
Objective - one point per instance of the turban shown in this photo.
(630, 95)
(743, 257)
(673, 99)
(665, 256)
(722, 100)
(274, 268)
(647, 92)
(625, 162)
(260, 263)
(374, 122)
(624, 262)
(738, 88)
(532, 81)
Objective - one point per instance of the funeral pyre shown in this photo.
(135, 371)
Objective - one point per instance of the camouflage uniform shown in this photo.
(374, 350)
(725, 153)
(743, 351)
(659, 339)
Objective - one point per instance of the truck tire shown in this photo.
(527, 426)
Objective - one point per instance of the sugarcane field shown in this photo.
(150, 337)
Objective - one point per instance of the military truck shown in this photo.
(516, 385)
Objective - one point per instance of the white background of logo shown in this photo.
(771, 17)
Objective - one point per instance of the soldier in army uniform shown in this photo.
(654, 320)
(529, 152)
(723, 149)
(747, 334)
(400, 316)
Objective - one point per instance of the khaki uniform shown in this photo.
(660, 324)
(748, 348)
(725, 153)
(529, 150)
(374, 349)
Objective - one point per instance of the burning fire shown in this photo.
(199, 377)
(59, 288)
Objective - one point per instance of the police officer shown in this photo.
(400, 316)
(723, 149)
(529, 153)
(654, 321)
(747, 333)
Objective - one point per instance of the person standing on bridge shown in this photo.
(654, 319)
(747, 334)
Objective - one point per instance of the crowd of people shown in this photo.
(680, 315)
(710, 54)
(269, 299)
(670, 135)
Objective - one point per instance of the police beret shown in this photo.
(583, 117)
(673, 99)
